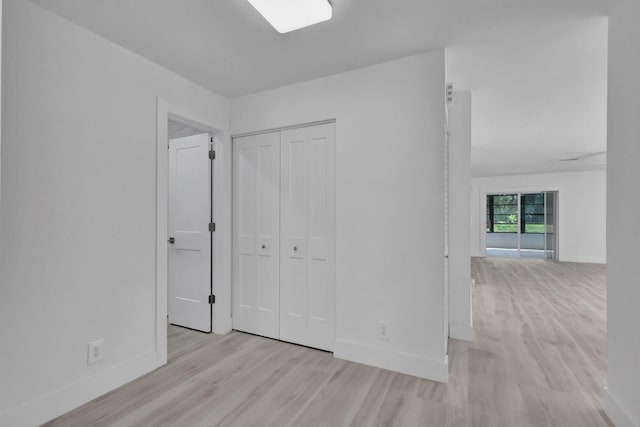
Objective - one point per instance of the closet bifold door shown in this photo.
(256, 234)
(307, 242)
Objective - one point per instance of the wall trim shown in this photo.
(283, 128)
(405, 363)
(583, 260)
(70, 396)
(459, 331)
(614, 411)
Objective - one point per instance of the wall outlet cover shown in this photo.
(96, 352)
(383, 330)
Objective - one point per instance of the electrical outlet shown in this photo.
(96, 350)
(383, 330)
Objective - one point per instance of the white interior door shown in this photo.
(256, 207)
(189, 236)
(307, 272)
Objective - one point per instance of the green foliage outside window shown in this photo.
(502, 213)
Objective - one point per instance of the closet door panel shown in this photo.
(244, 208)
(256, 212)
(318, 242)
(293, 221)
(321, 236)
(295, 298)
(308, 236)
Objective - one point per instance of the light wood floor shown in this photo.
(538, 360)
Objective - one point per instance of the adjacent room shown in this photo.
(264, 212)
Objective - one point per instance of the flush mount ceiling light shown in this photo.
(289, 15)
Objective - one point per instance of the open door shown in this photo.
(189, 232)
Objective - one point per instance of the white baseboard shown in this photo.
(405, 363)
(70, 396)
(614, 411)
(223, 327)
(582, 260)
(458, 331)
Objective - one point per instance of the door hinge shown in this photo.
(212, 227)
(449, 91)
(212, 299)
(212, 154)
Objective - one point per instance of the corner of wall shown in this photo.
(224, 326)
(615, 412)
(405, 363)
(458, 331)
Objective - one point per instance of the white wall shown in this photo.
(582, 210)
(390, 188)
(78, 213)
(460, 303)
(622, 399)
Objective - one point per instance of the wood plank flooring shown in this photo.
(538, 360)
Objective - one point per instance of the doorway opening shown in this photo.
(176, 121)
(522, 225)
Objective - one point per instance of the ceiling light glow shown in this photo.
(289, 15)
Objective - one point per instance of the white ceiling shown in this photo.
(535, 67)
(539, 95)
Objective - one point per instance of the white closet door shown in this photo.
(190, 239)
(256, 207)
(307, 268)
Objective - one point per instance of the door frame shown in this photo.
(221, 210)
(488, 191)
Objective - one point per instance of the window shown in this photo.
(532, 219)
(502, 213)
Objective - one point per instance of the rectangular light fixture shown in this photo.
(289, 15)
